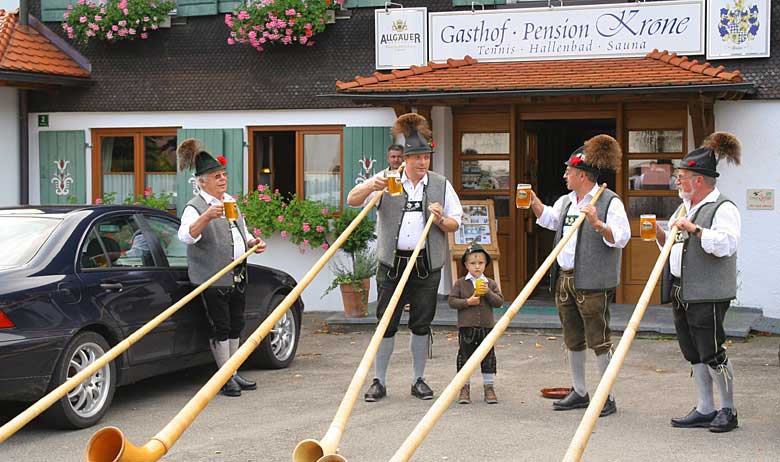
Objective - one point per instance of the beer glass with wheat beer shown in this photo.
(231, 211)
(394, 182)
(647, 226)
(523, 196)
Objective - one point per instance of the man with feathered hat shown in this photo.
(400, 223)
(701, 279)
(212, 243)
(587, 271)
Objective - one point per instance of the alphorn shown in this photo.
(109, 443)
(415, 439)
(50, 398)
(326, 449)
(588, 422)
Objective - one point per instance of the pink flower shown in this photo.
(301, 250)
(267, 198)
(284, 234)
(109, 35)
(305, 242)
(229, 20)
(276, 191)
(98, 17)
(256, 232)
(280, 218)
(114, 28)
(324, 211)
(303, 39)
(144, 35)
(325, 246)
(243, 15)
(319, 229)
(66, 15)
(90, 33)
(81, 2)
(261, 187)
(122, 23)
(125, 12)
(306, 228)
(132, 31)
(290, 12)
(70, 7)
(83, 19)
(231, 41)
(98, 201)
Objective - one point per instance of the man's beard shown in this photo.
(685, 195)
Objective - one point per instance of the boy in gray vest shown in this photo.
(400, 223)
(700, 279)
(587, 271)
(212, 243)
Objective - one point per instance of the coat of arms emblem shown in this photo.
(738, 24)
(399, 25)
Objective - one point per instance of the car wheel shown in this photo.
(278, 349)
(85, 405)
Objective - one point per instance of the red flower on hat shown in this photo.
(576, 161)
(222, 160)
(432, 144)
(691, 163)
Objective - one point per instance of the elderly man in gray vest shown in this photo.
(701, 279)
(587, 271)
(212, 243)
(400, 223)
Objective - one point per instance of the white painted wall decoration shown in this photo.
(62, 179)
(756, 124)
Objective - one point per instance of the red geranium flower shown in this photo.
(222, 160)
(576, 161)
(433, 144)
(691, 163)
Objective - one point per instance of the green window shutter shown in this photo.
(365, 3)
(196, 7)
(63, 167)
(364, 143)
(52, 10)
(484, 2)
(228, 142)
(228, 6)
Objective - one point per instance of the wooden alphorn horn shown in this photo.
(326, 449)
(110, 445)
(53, 396)
(588, 422)
(415, 439)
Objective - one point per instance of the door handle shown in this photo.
(117, 286)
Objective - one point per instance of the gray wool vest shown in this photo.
(214, 250)
(390, 212)
(704, 277)
(596, 265)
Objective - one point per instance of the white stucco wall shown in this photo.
(756, 124)
(9, 133)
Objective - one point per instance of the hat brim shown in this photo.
(212, 168)
(703, 171)
(482, 251)
(583, 166)
(411, 151)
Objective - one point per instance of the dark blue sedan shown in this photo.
(74, 281)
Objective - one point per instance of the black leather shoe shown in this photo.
(572, 401)
(725, 421)
(244, 383)
(421, 390)
(610, 407)
(375, 392)
(694, 419)
(231, 388)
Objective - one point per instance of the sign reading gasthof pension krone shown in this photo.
(593, 31)
(401, 37)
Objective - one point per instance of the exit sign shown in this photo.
(43, 120)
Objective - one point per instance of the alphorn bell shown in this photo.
(588, 422)
(326, 449)
(58, 393)
(110, 445)
(415, 439)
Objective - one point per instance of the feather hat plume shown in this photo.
(410, 123)
(603, 152)
(725, 145)
(187, 152)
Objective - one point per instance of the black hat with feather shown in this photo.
(717, 146)
(602, 152)
(192, 156)
(418, 138)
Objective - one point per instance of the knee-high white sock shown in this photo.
(233, 343)
(703, 379)
(603, 362)
(419, 346)
(487, 378)
(221, 351)
(577, 366)
(723, 377)
(383, 359)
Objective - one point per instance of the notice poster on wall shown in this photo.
(738, 29)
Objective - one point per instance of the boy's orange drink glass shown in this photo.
(480, 287)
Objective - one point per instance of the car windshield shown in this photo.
(21, 237)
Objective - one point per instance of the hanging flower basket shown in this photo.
(260, 23)
(114, 20)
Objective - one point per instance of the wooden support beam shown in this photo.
(401, 109)
(702, 113)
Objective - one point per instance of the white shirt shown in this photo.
(617, 220)
(721, 240)
(190, 215)
(470, 277)
(413, 223)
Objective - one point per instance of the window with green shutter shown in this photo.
(63, 167)
(196, 7)
(53, 10)
(363, 3)
(228, 6)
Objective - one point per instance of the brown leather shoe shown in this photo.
(465, 395)
(490, 394)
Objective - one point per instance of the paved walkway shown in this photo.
(543, 315)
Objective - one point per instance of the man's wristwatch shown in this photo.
(441, 221)
(697, 231)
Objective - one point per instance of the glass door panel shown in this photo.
(117, 166)
(160, 164)
(322, 168)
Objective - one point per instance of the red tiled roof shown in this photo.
(656, 69)
(24, 49)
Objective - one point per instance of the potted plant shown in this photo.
(354, 276)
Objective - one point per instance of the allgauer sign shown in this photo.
(401, 37)
(594, 31)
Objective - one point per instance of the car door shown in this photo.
(121, 275)
(192, 325)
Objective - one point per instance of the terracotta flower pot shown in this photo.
(355, 303)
